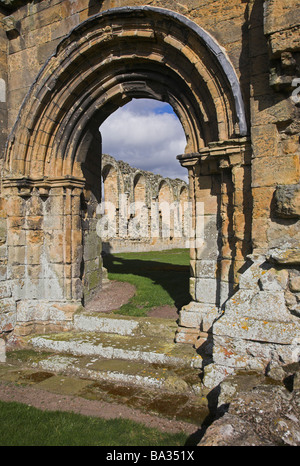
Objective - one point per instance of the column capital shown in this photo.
(219, 154)
(25, 186)
(189, 160)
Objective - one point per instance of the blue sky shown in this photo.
(146, 134)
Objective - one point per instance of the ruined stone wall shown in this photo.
(36, 29)
(138, 203)
(3, 89)
(230, 69)
(265, 309)
(4, 291)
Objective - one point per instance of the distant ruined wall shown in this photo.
(230, 70)
(147, 201)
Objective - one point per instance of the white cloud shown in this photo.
(146, 134)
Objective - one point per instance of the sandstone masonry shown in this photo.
(230, 70)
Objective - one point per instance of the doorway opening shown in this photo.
(144, 200)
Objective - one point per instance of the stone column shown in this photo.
(44, 252)
(195, 318)
(218, 190)
(87, 254)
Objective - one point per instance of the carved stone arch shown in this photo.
(165, 191)
(140, 187)
(183, 191)
(55, 145)
(111, 185)
(183, 195)
(105, 62)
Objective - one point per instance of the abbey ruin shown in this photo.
(231, 71)
(144, 211)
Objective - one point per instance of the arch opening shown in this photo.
(147, 134)
(144, 137)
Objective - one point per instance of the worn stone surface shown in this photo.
(231, 72)
(287, 200)
(262, 411)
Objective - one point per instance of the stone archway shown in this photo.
(52, 157)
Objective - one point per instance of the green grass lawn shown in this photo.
(23, 425)
(160, 277)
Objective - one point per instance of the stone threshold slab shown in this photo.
(111, 346)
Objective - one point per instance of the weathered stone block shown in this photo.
(3, 211)
(262, 201)
(208, 233)
(269, 305)
(5, 290)
(259, 233)
(287, 201)
(214, 374)
(16, 237)
(190, 319)
(295, 284)
(265, 330)
(205, 291)
(275, 170)
(16, 255)
(265, 140)
(34, 222)
(7, 314)
(206, 268)
(33, 253)
(271, 109)
(43, 310)
(250, 277)
(3, 272)
(288, 256)
(3, 230)
(187, 335)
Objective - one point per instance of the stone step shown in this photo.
(168, 391)
(150, 349)
(120, 372)
(123, 325)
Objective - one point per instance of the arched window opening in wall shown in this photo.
(110, 187)
(139, 189)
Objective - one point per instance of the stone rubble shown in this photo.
(257, 411)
